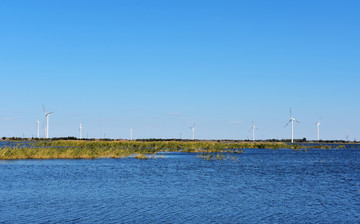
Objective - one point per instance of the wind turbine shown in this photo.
(47, 121)
(38, 128)
(193, 131)
(80, 130)
(131, 137)
(318, 129)
(253, 130)
(292, 126)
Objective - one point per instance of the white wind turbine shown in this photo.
(47, 121)
(131, 137)
(253, 130)
(38, 128)
(318, 129)
(193, 131)
(80, 130)
(292, 126)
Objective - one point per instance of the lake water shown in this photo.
(260, 186)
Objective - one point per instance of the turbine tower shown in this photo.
(38, 128)
(318, 129)
(47, 121)
(253, 130)
(131, 137)
(80, 130)
(193, 131)
(292, 126)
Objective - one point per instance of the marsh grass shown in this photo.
(59, 153)
(140, 156)
(156, 146)
(144, 156)
(82, 149)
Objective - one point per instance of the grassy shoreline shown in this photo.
(82, 149)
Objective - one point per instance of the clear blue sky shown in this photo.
(159, 66)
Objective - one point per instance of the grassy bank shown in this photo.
(80, 149)
(155, 146)
(60, 153)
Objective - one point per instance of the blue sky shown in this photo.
(159, 66)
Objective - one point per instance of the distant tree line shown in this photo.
(303, 140)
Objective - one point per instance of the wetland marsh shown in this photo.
(259, 185)
(82, 149)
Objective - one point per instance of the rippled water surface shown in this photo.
(269, 186)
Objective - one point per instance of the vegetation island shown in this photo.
(72, 148)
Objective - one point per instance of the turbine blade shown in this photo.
(44, 108)
(287, 124)
(297, 121)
